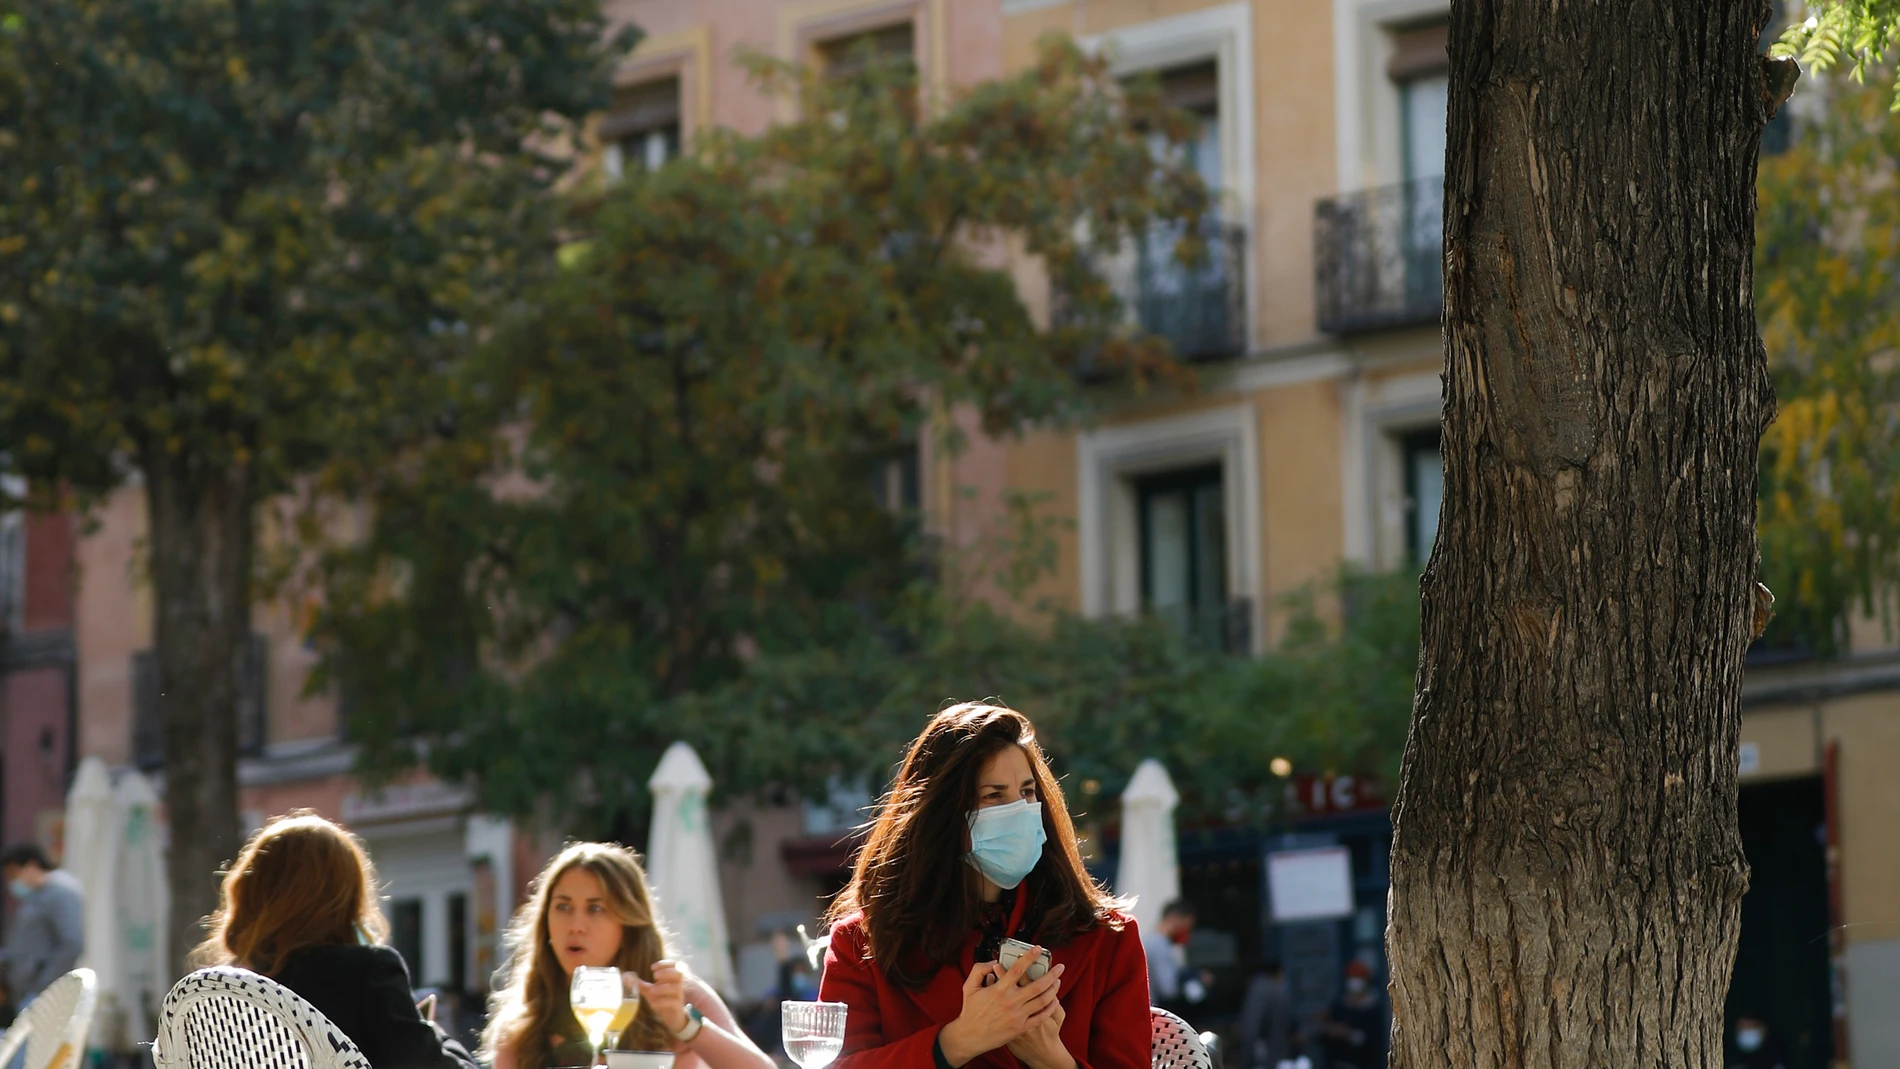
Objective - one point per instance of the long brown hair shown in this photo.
(919, 899)
(523, 1015)
(300, 882)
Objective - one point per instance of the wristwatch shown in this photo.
(694, 1022)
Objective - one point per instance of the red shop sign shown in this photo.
(1328, 795)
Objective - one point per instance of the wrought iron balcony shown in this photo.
(1378, 257)
(1199, 306)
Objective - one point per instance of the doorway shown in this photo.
(1781, 965)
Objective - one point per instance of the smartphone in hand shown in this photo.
(1012, 951)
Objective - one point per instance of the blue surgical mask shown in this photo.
(19, 888)
(1006, 841)
(1749, 1039)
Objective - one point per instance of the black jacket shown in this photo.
(364, 990)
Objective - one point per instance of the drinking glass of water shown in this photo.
(813, 1032)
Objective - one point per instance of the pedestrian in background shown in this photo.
(1264, 1033)
(1171, 984)
(49, 930)
(1355, 1028)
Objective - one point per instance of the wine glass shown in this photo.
(595, 996)
(629, 1009)
(813, 1032)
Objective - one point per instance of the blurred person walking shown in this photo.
(1355, 1029)
(48, 933)
(1264, 1035)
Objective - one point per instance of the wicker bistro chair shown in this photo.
(1176, 1045)
(53, 1026)
(230, 1018)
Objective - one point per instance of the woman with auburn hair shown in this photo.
(299, 906)
(591, 906)
(971, 847)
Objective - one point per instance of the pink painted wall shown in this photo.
(35, 744)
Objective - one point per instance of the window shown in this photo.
(405, 935)
(458, 941)
(896, 482)
(148, 738)
(848, 55)
(643, 130)
(843, 57)
(1420, 68)
(1200, 308)
(1184, 551)
(1424, 490)
(1196, 89)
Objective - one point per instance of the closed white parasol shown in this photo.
(684, 867)
(1150, 869)
(91, 857)
(144, 907)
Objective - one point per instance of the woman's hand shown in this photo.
(996, 1015)
(666, 994)
(1040, 1047)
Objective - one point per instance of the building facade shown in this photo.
(1312, 440)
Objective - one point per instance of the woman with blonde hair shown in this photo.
(590, 906)
(299, 906)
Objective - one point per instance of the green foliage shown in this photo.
(233, 234)
(1862, 30)
(1334, 695)
(1827, 283)
(661, 480)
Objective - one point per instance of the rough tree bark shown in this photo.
(201, 530)
(1566, 871)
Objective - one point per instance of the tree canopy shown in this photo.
(238, 248)
(662, 476)
(1860, 31)
(1827, 280)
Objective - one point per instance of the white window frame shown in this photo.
(1224, 34)
(1378, 416)
(1366, 113)
(1108, 464)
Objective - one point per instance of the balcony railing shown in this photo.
(1199, 307)
(1379, 257)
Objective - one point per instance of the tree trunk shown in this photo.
(1566, 872)
(201, 531)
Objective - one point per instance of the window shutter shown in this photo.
(1420, 53)
(148, 739)
(639, 108)
(1195, 88)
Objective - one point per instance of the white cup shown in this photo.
(639, 1059)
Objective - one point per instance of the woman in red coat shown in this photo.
(971, 847)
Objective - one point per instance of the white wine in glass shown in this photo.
(629, 1009)
(813, 1032)
(595, 996)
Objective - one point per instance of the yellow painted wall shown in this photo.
(1302, 526)
(1044, 462)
